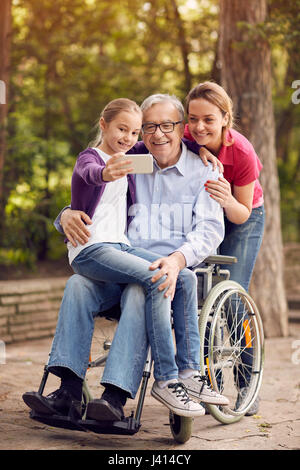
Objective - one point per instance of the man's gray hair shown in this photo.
(160, 98)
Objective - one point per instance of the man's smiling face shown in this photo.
(165, 147)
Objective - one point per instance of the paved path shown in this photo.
(277, 426)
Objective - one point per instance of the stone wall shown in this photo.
(29, 309)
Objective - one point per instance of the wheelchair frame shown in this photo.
(213, 286)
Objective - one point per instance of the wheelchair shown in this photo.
(231, 356)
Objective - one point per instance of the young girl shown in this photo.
(210, 120)
(100, 185)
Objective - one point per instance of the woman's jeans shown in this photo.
(145, 317)
(243, 241)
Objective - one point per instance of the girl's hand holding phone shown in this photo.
(116, 168)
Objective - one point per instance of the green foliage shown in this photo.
(283, 29)
(70, 57)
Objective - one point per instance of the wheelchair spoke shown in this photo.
(233, 349)
(102, 338)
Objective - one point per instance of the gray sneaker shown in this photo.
(253, 410)
(175, 397)
(197, 388)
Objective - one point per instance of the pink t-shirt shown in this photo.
(241, 164)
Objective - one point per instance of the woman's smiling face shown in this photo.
(205, 123)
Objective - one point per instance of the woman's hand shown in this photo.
(72, 222)
(220, 191)
(115, 167)
(237, 203)
(206, 156)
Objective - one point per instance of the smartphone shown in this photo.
(141, 163)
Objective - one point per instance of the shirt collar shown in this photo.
(179, 165)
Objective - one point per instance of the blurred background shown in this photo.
(63, 60)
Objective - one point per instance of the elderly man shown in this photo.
(173, 217)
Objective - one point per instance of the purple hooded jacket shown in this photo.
(87, 184)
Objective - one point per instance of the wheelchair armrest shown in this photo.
(220, 259)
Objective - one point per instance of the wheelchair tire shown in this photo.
(181, 427)
(232, 348)
(86, 397)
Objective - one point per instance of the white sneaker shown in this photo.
(175, 397)
(197, 388)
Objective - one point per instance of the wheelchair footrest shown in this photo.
(127, 425)
(57, 421)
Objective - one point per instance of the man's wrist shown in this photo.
(57, 223)
(64, 212)
(180, 258)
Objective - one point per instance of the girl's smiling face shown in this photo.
(205, 123)
(120, 134)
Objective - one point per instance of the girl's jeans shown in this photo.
(145, 317)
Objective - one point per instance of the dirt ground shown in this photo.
(277, 426)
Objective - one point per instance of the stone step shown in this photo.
(294, 316)
(294, 303)
(294, 308)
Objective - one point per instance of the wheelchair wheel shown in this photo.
(232, 346)
(181, 427)
(104, 331)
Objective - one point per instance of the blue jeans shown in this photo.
(84, 298)
(121, 263)
(243, 241)
(126, 360)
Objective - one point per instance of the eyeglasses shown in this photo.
(165, 127)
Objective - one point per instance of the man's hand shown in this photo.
(72, 222)
(170, 266)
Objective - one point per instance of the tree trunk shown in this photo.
(246, 75)
(184, 48)
(5, 39)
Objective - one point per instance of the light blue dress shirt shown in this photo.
(175, 213)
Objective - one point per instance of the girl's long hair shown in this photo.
(111, 110)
